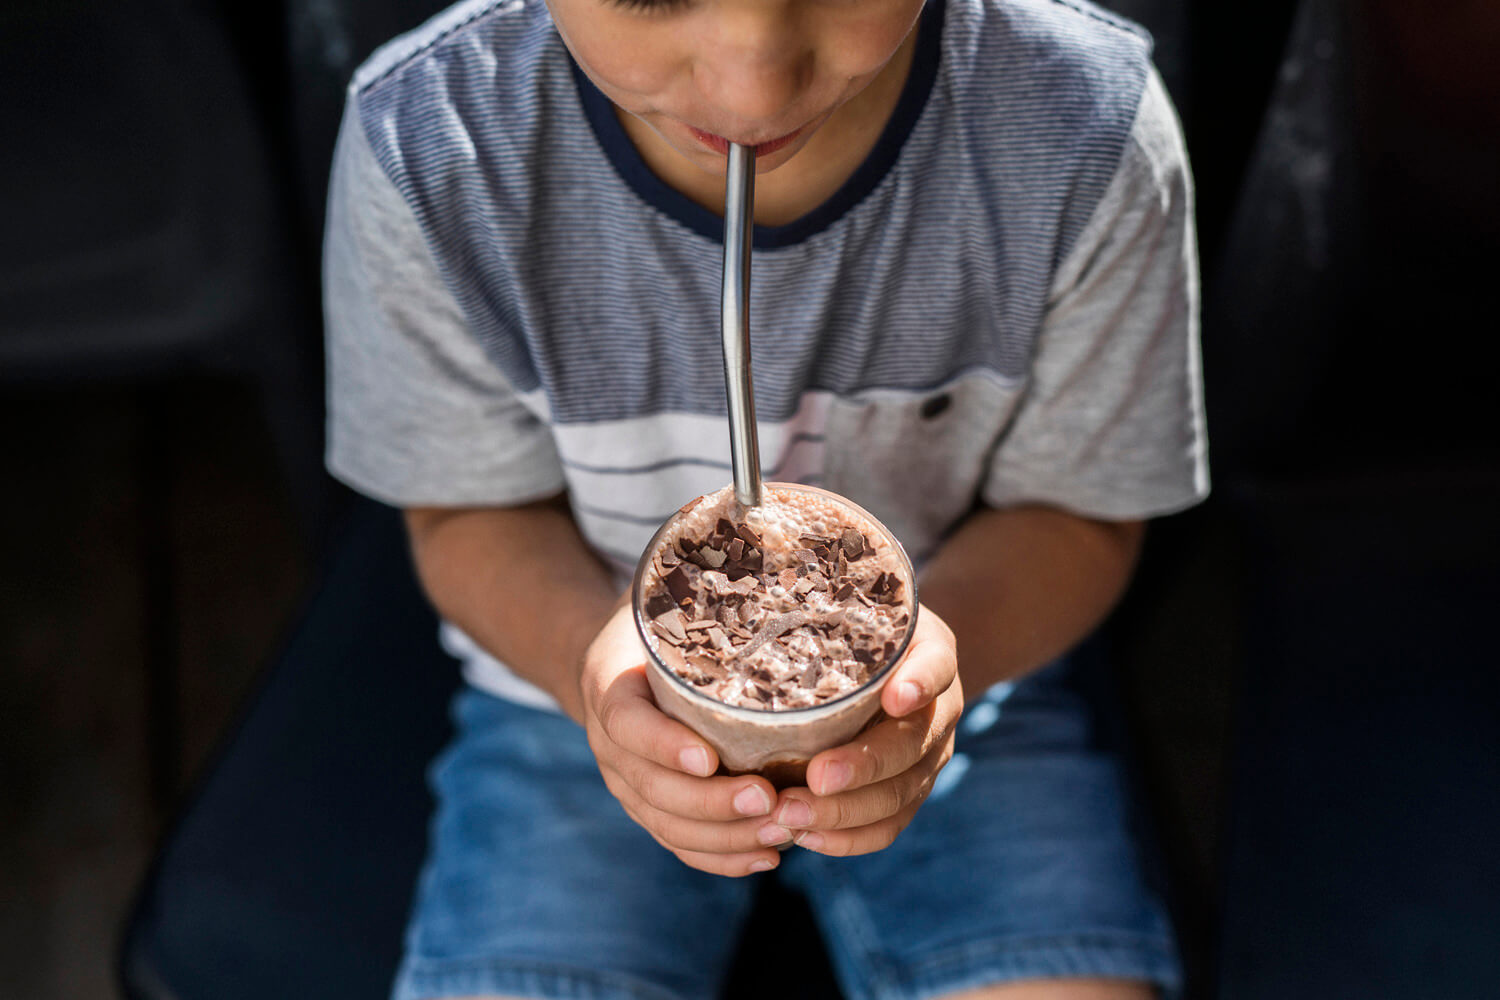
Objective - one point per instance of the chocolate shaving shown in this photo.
(673, 658)
(853, 542)
(776, 627)
(708, 666)
(658, 604)
(679, 586)
(671, 626)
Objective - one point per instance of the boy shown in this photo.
(973, 314)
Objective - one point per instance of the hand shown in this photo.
(862, 794)
(662, 772)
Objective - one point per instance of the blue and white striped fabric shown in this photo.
(999, 306)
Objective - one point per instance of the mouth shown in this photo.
(720, 145)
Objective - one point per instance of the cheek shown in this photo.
(624, 60)
(860, 49)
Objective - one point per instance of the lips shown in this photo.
(720, 145)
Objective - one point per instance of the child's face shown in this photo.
(702, 73)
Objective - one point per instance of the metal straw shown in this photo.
(734, 315)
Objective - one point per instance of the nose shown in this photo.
(753, 62)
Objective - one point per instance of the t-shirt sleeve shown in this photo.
(417, 414)
(1111, 424)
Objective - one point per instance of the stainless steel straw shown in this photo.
(734, 315)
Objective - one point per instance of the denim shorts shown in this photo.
(1021, 865)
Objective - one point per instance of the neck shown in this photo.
(808, 179)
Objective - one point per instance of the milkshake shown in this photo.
(771, 630)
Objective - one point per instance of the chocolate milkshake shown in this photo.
(771, 629)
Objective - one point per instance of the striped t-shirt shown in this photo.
(998, 307)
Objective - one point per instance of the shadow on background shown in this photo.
(1312, 694)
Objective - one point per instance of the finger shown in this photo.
(897, 742)
(699, 836)
(630, 719)
(887, 748)
(862, 840)
(928, 669)
(718, 799)
(799, 810)
(732, 865)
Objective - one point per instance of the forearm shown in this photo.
(521, 582)
(1021, 586)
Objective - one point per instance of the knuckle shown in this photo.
(710, 801)
(648, 785)
(672, 835)
(837, 813)
(661, 748)
(733, 839)
(609, 717)
(893, 797)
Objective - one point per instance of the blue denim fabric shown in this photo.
(1020, 865)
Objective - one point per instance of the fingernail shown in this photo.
(771, 835)
(762, 865)
(794, 813)
(907, 696)
(694, 760)
(835, 777)
(810, 840)
(752, 801)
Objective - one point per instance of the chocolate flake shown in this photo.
(672, 623)
(679, 586)
(658, 604)
(853, 542)
(672, 657)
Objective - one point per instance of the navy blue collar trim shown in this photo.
(632, 169)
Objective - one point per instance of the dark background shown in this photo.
(1307, 658)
